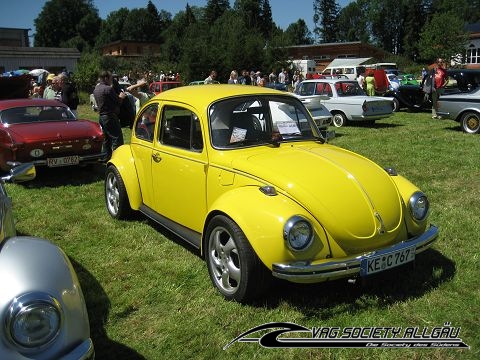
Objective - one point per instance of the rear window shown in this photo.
(30, 114)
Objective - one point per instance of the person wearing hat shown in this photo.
(49, 92)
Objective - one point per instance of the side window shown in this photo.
(319, 88)
(181, 128)
(307, 89)
(145, 126)
(327, 90)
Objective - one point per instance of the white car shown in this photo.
(345, 100)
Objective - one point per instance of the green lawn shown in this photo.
(149, 295)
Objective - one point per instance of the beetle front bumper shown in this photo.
(310, 272)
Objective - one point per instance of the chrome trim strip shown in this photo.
(303, 271)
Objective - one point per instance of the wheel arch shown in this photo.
(123, 161)
(262, 223)
(460, 117)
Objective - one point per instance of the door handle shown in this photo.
(156, 157)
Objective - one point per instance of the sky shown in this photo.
(21, 14)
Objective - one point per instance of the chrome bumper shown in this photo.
(81, 160)
(84, 351)
(306, 272)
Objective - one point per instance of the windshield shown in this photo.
(348, 88)
(259, 120)
(31, 114)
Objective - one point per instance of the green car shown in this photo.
(408, 79)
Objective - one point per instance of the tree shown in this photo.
(112, 27)
(215, 9)
(298, 34)
(415, 18)
(325, 20)
(352, 23)
(266, 21)
(443, 36)
(62, 20)
(250, 11)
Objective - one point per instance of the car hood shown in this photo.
(354, 199)
(32, 132)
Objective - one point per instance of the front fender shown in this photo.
(33, 265)
(263, 223)
(406, 190)
(122, 159)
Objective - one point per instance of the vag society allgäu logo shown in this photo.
(276, 335)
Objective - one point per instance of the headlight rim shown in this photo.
(25, 302)
(413, 201)
(289, 225)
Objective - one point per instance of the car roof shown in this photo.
(204, 95)
(7, 104)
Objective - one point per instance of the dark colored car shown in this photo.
(46, 133)
(413, 98)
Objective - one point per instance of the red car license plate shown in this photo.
(63, 161)
(387, 261)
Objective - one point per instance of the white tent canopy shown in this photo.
(341, 62)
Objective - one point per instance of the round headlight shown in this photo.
(419, 206)
(33, 320)
(298, 233)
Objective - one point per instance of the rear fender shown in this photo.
(122, 159)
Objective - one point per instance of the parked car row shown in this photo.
(412, 97)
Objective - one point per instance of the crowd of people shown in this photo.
(257, 78)
(59, 87)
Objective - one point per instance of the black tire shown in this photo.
(339, 119)
(234, 268)
(396, 105)
(470, 122)
(116, 198)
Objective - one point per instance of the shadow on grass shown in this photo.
(98, 306)
(325, 300)
(328, 299)
(63, 176)
(376, 125)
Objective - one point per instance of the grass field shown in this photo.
(149, 296)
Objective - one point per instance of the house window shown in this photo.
(473, 55)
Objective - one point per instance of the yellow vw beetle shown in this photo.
(239, 172)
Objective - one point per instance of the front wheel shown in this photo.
(470, 122)
(339, 119)
(116, 197)
(234, 268)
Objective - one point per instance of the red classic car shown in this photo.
(157, 87)
(46, 132)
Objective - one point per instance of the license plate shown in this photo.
(63, 161)
(387, 261)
